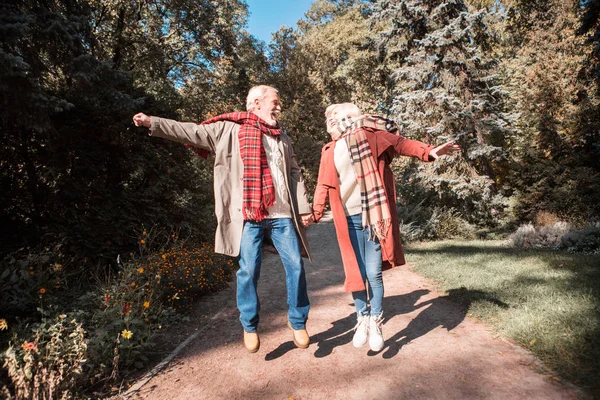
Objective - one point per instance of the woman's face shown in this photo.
(332, 121)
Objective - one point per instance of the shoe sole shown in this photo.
(377, 350)
(253, 350)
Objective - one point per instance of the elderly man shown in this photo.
(259, 191)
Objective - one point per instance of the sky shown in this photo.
(266, 16)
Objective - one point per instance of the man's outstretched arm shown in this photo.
(201, 136)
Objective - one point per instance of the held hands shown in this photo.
(448, 148)
(307, 219)
(141, 119)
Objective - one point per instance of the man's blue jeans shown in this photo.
(368, 255)
(286, 241)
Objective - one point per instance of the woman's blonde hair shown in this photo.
(343, 110)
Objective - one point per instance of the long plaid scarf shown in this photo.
(375, 208)
(258, 190)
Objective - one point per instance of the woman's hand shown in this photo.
(448, 148)
(307, 219)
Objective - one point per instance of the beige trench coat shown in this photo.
(221, 138)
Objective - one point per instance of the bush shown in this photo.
(585, 240)
(418, 223)
(48, 365)
(558, 235)
(110, 326)
(25, 278)
(545, 236)
(126, 311)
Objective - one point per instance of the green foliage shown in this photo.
(74, 173)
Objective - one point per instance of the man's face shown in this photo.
(269, 107)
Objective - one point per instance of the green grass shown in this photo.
(546, 300)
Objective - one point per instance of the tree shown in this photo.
(74, 175)
(557, 167)
(445, 85)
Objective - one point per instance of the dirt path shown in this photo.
(432, 349)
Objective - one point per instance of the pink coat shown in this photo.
(384, 146)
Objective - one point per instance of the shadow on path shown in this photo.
(445, 311)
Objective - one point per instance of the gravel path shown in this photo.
(432, 349)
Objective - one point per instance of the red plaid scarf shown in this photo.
(258, 190)
(375, 208)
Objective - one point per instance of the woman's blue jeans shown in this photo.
(285, 239)
(368, 255)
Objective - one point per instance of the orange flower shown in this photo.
(132, 284)
(42, 291)
(140, 270)
(28, 346)
(146, 304)
(142, 241)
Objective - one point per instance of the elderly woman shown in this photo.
(356, 179)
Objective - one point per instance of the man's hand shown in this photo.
(141, 119)
(447, 148)
(307, 219)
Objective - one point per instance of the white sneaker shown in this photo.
(361, 331)
(375, 335)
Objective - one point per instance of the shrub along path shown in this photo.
(433, 350)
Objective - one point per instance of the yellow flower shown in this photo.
(127, 334)
(3, 325)
(42, 291)
(146, 304)
(140, 270)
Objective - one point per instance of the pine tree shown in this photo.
(444, 85)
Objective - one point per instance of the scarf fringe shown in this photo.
(379, 229)
(254, 214)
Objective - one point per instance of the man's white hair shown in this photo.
(257, 93)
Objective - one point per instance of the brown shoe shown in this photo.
(251, 341)
(301, 338)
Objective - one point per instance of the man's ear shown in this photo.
(257, 103)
